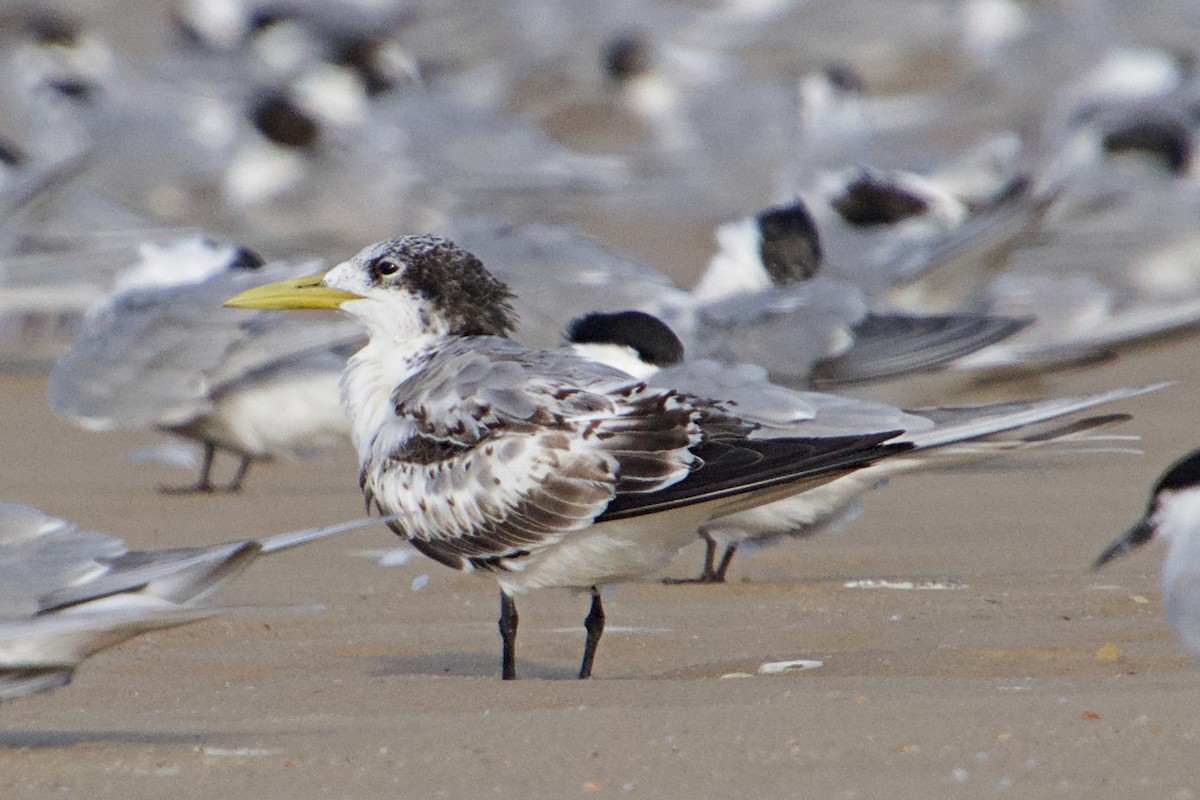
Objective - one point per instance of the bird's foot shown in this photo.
(199, 488)
(704, 577)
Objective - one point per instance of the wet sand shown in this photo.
(997, 686)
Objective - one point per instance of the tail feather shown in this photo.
(954, 425)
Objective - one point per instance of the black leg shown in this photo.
(236, 484)
(708, 574)
(594, 625)
(205, 482)
(508, 637)
(719, 575)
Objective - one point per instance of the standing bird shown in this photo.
(162, 353)
(539, 467)
(1173, 514)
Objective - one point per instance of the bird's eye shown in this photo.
(386, 266)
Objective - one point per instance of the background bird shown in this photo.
(67, 594)
(764, 299)
(1173, 516)
(161, 353)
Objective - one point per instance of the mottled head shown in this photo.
(788, 243)
(1173, 511)
(402, 287)
(643, 336)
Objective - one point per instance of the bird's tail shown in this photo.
(284, 541)
(962, 424)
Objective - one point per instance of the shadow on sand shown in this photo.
(477, 665)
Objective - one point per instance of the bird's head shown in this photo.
(789, 244)
(635, 342)
(402, 288)
(1173, 511)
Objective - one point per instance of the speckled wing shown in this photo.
(153, 356)
(496, 450)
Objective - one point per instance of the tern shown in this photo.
(1173, 514)
(538, 467)
(162, 353)
(66, 594)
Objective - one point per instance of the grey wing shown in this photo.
(786, 330)
(890, 345)
(181, 576)
(152, 357)
(514, 449)
(274, 342)
(972, 422)
(781, 411)
(40, 553)
(1094, 289)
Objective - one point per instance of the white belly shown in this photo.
(290, 417)
(611, 552)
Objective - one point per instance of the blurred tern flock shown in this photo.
(817, 195)
(1020, 202)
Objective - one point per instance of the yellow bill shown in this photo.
(295, 293)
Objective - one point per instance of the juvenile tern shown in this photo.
(66, 594)
(645, 347)
(538, 467)
(162, 353)
(1173, 514)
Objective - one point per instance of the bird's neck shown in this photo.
(372, 375)
(737, 267)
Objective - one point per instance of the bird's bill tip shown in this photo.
(308, 292)
(1127, 542)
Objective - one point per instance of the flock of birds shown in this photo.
(525, 402)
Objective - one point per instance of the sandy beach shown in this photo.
(980, 658)
(1029, 676)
